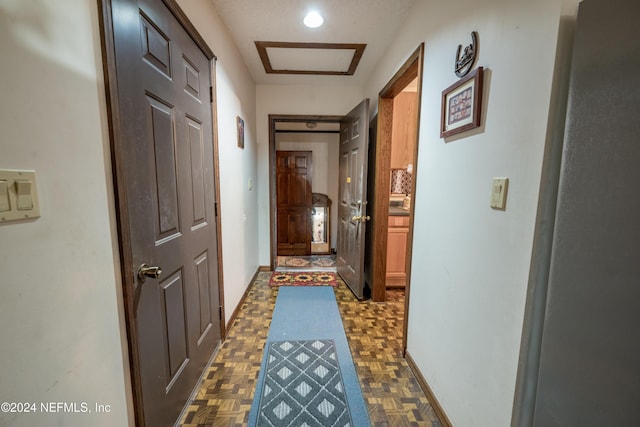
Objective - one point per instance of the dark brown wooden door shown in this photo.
(293, 192)
(352, 206)
(165, 111)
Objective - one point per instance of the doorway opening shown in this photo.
(318, 135)
(392, 186)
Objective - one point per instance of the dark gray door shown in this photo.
(163, 83)
(590, 359)
(352, 206)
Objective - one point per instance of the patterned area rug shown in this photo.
(309, 314)
(303, 386)
(303, 278)
(306, 263)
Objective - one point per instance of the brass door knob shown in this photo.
(145, 271)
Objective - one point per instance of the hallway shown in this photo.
(391, 391)
(69, 283)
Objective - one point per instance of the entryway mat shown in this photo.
(303, 278)
(306, 263)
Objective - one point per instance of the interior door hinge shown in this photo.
(211, 94)
(220, 312)
(215, 208)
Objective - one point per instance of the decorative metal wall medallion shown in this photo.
(464, 63)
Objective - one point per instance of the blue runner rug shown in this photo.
(307, 373)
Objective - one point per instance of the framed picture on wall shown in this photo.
(462, 105)
(240, 124)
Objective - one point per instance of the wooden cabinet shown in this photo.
(397, 251)
(403, 133)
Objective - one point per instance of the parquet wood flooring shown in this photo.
(373, 330)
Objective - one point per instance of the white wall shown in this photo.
(310, 100)
(61, 323)
(238, 167)
(325, 149)
(470, 263)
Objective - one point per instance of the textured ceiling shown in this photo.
(372, 22)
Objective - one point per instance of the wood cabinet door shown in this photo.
(397, 251)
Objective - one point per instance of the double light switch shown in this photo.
(18, 195)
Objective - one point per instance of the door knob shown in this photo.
(356, 218)
(145, 271)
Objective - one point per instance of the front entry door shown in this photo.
(293, 192)
(165, 172)
(352, 207)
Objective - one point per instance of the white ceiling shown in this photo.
(373, 22)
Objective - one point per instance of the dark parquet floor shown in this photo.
(374, 330)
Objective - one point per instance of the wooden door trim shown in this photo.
(116, 142)
(182, 18)
(121, 206)
(218, 207)
(273, 206)
(411, 69)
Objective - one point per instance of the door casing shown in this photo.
(410, 70)
(273, 202)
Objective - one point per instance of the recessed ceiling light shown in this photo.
(313, 20)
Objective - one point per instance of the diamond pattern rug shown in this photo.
(303, 278)
(303, 386)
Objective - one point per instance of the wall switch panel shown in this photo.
(18, 195)
(499, 193)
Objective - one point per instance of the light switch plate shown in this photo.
(18, 195)
(499, 193)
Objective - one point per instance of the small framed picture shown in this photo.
(462, 104)
(240, 124)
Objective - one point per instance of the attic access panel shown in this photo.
(337, 59)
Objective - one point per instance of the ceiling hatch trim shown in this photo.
(334, 69)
